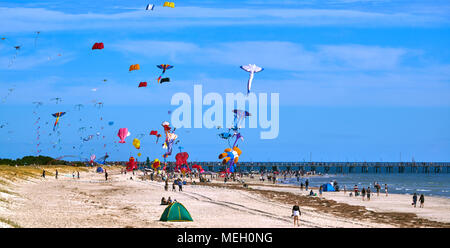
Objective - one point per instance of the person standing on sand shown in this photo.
(173, 185)
(320, 190)
(414, 203)
(368, 193)
(78, 174)
(106, 175)
(296, 213)
(43, 173)
(306, 184)
(421, 200)
(363, 193)
(386, 189)
(166, 185)
(56, 174)
(355, 189)
(345, 190)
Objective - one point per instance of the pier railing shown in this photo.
(334, 167)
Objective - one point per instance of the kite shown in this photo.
(123, 133)
(111, 123)
(57, 115)
(79, 106)
(57, 99)
(150, 7)
(163, 80)
(164, 67)
(198, 168)
(230, 157)
(181, 159)
(137, 143)
(88, 138)
(98, 104)
(153, 132)
(142, 84)
(35, 39)
(156, 164)
(252, 69)
(170, 138)
(134, 67)
(169, 4)
(38, 104)
(98, 46)
(131, 164)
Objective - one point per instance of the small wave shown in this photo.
(425, 190)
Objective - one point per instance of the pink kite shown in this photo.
(123, 133)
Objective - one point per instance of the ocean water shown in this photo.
(420, 183)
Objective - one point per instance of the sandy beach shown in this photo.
(33, 201)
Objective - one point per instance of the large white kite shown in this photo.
(252, 69)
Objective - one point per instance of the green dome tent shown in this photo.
(176, 212)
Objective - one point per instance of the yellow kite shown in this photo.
(134, 67)
(169, 4)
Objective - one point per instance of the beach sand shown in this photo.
(120, 202)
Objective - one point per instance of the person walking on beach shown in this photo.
(56, 174)
(414, 203)
(378, 187)
(296, 213)
(106, 175)
(73, 174)
(320, 190)
(173, 185)
(421, 200)
(345, 190)
(43, 173)
(386, 189)
(306, 184)
(368, 193)
(180, 186)
(301, 186)
(363, 193)
(166, 185)
(78, 174)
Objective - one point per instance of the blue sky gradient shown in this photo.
(359, 80)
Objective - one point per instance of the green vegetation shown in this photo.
(39, 160)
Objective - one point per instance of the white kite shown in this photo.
(252, 69)
(150, 7)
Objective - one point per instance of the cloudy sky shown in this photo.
(359, 80)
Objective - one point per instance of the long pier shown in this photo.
(335, 167)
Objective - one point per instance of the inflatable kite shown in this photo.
(142, 84)
(131, 164)
(137, 143)
(156, 164)
(181, 159)
(252, 69)
(230, 157)
(123, 133)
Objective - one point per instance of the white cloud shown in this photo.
(31, 19)
(278, 55)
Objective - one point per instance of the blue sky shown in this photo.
(358, 79)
